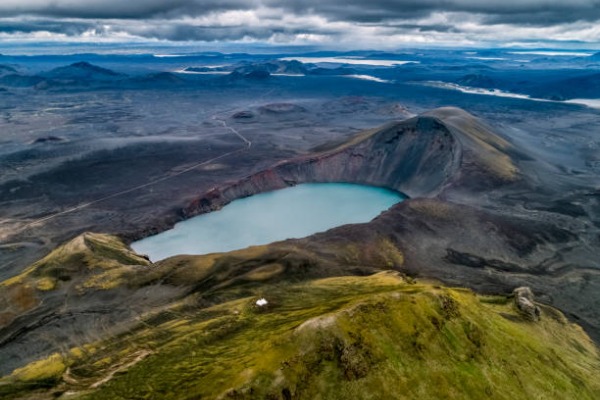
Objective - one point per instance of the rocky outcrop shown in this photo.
(525, 305)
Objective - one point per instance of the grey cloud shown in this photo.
(166, 19)
(350, 10)
(543, 18)
(182, 32)
(524, 11)
(46, 25)
(425, 28)
(158, 29)
(121, 9)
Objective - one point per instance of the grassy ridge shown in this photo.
(87, 252)
(336, 338)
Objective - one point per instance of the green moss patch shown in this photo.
(338, 338)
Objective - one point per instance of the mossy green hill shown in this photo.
(382, 336)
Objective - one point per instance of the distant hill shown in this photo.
(207, 69)
(274, 67)
(587, 86)
(160, 78)
(263, 70)
(84, 74)
(16, 80)
(7, 69)
(290, 67)
(332, 71)
(477, 80)
(595, 56)
(465, 68)
(258, 74)
(83, 71)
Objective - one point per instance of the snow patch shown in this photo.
(554, 53)
(487, 58)
(368, 78)
(591, 103)
(347, 60)
(168, 55)
(184, 71)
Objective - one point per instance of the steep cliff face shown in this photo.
(417, 157)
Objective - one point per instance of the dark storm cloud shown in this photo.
(118, 9)
(348, 10)
(184, 32)
(530, 11)
(424, 27)
(543, 17)
(53, 26)
(181, 20)
(174, 30)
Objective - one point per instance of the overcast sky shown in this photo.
(382, 24)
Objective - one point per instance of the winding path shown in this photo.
(214, 117)
(231, 129)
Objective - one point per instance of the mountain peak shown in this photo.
(83, 70)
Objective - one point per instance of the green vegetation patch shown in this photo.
(375, 337)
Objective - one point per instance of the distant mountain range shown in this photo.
(263, 70)
(552, 88)
(83, 74)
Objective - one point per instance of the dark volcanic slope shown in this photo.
(418, 157)
(472, 220)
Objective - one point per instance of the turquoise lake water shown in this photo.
(293, 212)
